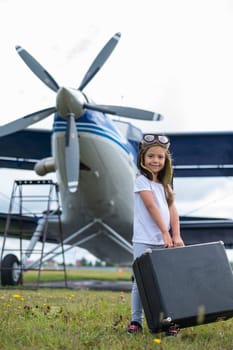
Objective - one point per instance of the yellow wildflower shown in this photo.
(157, 341)
(17, 296)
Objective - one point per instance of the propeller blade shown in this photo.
(128, 112)
(100, 60)
(37, 69)
(26, 121)
(72, 154)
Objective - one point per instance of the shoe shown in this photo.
(172, 331)
(134, 327)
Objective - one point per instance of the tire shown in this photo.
(11, 272)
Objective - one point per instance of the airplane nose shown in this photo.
(69, 101)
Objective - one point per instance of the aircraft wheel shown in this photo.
(11, 271)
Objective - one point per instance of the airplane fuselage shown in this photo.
(105, 190)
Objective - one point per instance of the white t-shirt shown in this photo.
(145, 229)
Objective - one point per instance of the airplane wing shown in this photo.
(198, 154)
(23, 226)
(195, 153)
(23, 149)
(28, 222)
(194, 230)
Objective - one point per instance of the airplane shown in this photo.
(94, 163)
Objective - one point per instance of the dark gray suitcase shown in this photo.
(186, 286)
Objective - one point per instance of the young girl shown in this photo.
(155, 214)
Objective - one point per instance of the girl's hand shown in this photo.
(178, 242)
(168, 243)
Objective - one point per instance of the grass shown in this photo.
(81, 319)
(79, 274)
(44, 319)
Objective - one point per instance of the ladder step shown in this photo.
(34, 182)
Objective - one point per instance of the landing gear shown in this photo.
(11, 271)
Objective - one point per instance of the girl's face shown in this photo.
(154, 159)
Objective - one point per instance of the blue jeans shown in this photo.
(138, 250)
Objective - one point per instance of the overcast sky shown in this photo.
(174, 57)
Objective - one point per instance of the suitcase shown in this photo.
(186, 286)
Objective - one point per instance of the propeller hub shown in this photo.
(70, 101)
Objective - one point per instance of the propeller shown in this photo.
(128, 112)
(26, 121)
(37, 69)
(72, 154)
(99, 61)
(71, 105)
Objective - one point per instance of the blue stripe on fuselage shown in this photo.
(96, 123)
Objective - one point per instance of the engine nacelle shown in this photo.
(45, 166)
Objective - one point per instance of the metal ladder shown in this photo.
(33, 194)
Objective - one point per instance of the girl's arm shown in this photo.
(152, 208)
(175, 226)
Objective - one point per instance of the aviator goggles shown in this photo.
(150, 139)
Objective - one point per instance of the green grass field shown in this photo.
(79, 274)
(41, 319)
(81, 319)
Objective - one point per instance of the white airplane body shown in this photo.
(105, 189)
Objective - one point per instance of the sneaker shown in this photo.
(172, 331)
(134, 327)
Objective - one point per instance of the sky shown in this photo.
(174, 57)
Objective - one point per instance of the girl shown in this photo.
(155, 214)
